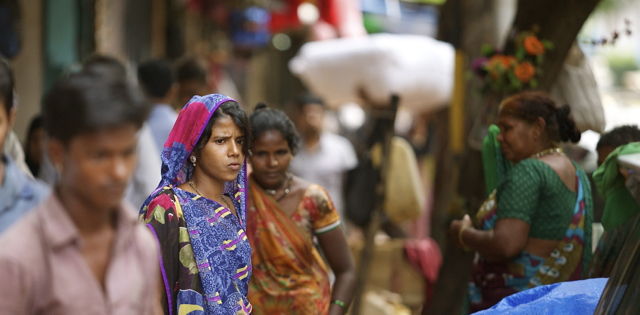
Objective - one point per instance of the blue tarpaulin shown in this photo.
(576, 297)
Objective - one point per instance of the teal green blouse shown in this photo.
(533, 192)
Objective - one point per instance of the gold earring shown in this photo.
(193, 160)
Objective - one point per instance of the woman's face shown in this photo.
(518, 139)
(221, 158)
(271, 158)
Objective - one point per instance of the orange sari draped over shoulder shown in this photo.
(289, 275)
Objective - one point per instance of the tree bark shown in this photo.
(466, 24)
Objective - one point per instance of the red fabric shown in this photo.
(287, 17)
(425, 255)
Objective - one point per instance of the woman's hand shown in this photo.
(456, 226)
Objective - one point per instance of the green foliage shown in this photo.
(547, 44)
(621, 63)
(487, 50)
(521, 53)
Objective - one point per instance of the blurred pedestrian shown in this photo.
(620, 206)
(324, 157)
(198, 213)
(34, 148)
(83, 251)
(618, 136)
(146, 175)
(157, 81)
(286, 214)
(192, 79)
(19, 192)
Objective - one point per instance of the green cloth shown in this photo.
(533, 192)
(620, 206)
(495, 166)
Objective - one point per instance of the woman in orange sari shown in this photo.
(285, 214)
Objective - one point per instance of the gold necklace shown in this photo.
(547, 152)
(273, 192)
(198, 192)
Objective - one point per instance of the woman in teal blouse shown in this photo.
(535, 227)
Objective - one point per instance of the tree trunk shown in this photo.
(466, 24)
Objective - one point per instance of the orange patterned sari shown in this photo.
(289, 275)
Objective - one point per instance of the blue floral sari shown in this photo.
(205, 257)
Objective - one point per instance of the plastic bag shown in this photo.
(576, 86)
(575, 297)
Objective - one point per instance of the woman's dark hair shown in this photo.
(529, 106)
(227, 109)
(87, 102)
(7, 84)
(264, 119)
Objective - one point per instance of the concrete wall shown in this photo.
(28, 66)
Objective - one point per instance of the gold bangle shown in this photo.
(462, 229)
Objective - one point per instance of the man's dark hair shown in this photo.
(308, 98)
(156, 77)
(88, 102)
(104, 65)
(231, 109)
(191, 69)
(264, 119)
(619, 136)
(7, 83)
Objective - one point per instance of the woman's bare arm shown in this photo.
(334, 245)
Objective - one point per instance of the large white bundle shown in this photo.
(576, 86)
(418, 68)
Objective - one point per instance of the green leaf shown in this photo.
(520, 54)
(533, 83)
(547, 44)
(468, 75)
(487, 50)
(540, 59)
(514, 82)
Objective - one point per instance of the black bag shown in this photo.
(360, 194)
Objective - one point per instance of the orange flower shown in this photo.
(504, 61)
(533, 46)
(525, 72)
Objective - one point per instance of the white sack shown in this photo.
(418, 68)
